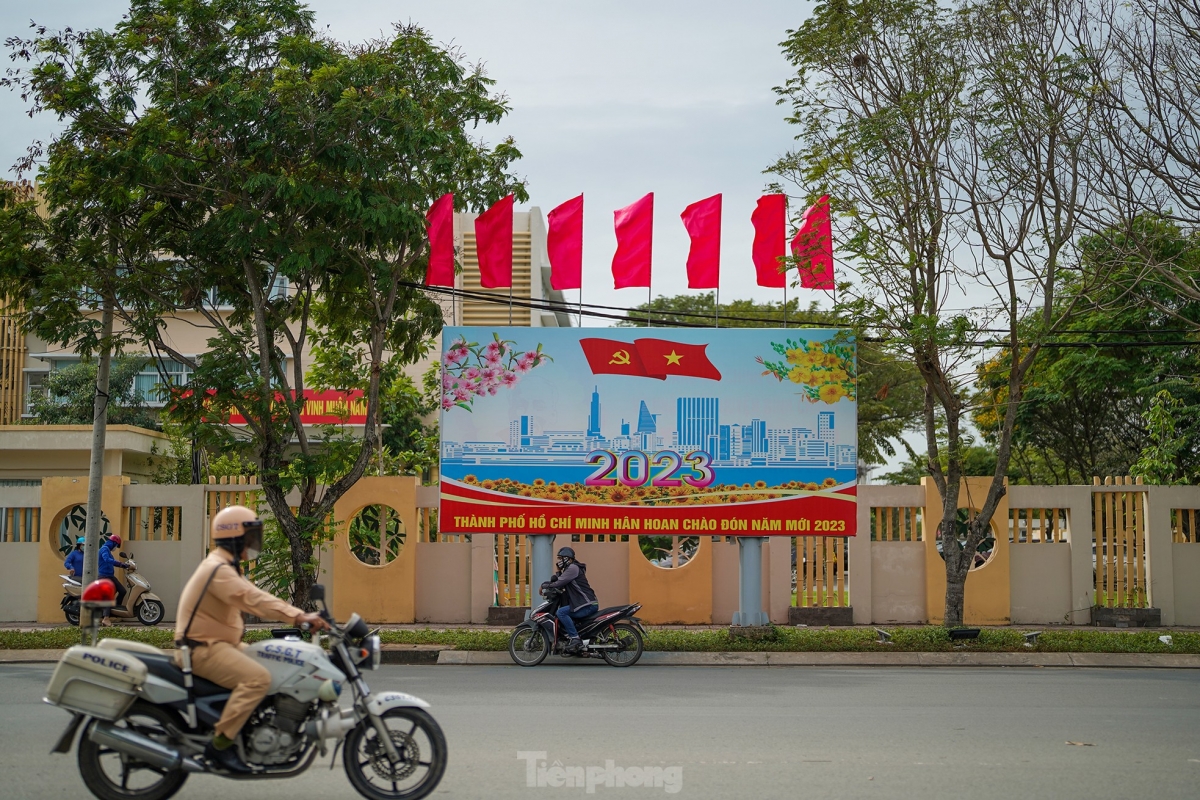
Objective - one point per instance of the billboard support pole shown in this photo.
(542, 568)
(750, 606)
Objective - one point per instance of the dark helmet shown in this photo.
(565, 556)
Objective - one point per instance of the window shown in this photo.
(149, 380)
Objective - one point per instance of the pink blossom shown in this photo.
(491, 390)
(488, 374)
(494, 347)
(508, 378)
(523, 365)
(460, 353)
(532, 355)
(447, 402)
(472, 373)
(461, 393)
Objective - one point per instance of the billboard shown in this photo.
(741, 432)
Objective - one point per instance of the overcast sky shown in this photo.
(611, 99)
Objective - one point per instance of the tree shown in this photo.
(1159, 461)
(70, 393)
(952, 142)
(1083, 409)
(278, 182)
(890, 394)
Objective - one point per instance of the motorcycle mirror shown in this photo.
(316, 592)
(123, 554)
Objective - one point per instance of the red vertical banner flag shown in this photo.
(635, 235)
(564, 244)
(493, 245)
(440, 218)
(812, 246)
(770, 238)
(703, 222)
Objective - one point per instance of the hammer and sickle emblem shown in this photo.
(620, 358)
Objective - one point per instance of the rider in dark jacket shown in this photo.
(581, 600)
(74, 560)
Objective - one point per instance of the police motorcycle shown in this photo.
(145, 722)
(613, 634)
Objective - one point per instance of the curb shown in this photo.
(429, 655)
(1078, 660)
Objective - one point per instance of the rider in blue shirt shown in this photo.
(74, 562)
(106, 569)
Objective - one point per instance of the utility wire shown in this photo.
(624, 315)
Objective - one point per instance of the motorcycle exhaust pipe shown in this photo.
(143, 748)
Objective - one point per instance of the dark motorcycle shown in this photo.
(613, 634)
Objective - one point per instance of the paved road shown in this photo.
(745, 732)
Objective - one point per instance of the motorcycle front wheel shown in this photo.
(150, 612)
(528, 646)
(112, 776)
(422, 748)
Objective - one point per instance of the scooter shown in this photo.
(613, 634)
(140, 601)
(142, 723)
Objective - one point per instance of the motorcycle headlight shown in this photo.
(372, 652)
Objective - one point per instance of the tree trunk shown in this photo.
(93, 523)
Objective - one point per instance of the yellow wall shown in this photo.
(986, 599)
(60, 495)
(384, 593)
(673, 596)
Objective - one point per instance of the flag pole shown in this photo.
(510, 302)
(717, 309)
(785, 305)
(648, 302)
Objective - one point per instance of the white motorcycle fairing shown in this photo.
(300, 669)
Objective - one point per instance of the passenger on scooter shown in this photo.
(106, 571)
(74, 562)
(210, 616)
(581, 601)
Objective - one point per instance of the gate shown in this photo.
(1119, 542)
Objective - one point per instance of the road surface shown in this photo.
(734, 732)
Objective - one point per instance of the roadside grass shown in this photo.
(922, 640)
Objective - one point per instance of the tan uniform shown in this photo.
(216, 634)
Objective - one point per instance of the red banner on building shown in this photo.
(325, 408)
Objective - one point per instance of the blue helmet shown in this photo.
(81, 540)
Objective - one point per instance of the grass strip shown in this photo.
(929, 639)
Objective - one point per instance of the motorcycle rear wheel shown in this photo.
(420, 741)
(528, 646)
(630, 640)
(71, 612)
(96, 763)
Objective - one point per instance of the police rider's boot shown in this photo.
(574, 645)
(225, 758)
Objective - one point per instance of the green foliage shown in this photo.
(1158, 463)
(70, 392)
(890, 396)
(922, 639)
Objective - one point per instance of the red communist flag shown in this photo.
(612, 357)
(493, 244)
(812, 247)
(635, 233)
(770, 237)
(564, 244)
(703, 222)
(440, 217)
